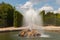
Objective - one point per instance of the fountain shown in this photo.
(33, 21)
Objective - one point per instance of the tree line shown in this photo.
(50, 18)
(10, 17)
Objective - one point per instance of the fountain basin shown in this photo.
(29, 33)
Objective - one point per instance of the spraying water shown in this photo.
(33, 20)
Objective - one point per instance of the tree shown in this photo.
(50, 18)
(7, 14)
(43, 16)
(57, 19)
(18, 18)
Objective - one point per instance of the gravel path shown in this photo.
(20, 28)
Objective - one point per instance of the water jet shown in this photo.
(33, 21)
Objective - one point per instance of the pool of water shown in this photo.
(14, 36)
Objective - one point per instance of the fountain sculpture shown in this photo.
(33, 21)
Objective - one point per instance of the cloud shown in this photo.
(57, 11)
(29, 4)
(37, 1)
(58, 2)
(25, 6)
(46, 8)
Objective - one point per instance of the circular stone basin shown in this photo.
(29, 33)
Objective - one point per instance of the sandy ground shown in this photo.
(51, 28)
(20, 28)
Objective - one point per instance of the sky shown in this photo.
(36, 4)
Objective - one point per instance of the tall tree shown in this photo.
(6, 14)
(18, 18)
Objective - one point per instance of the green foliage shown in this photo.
(17, 19)
(43, 16)
(7, 17)
(6, 14)
(50, 18)
(58, 19)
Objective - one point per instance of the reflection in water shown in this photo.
(5, 36)
(14, 36)
(31, 39)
